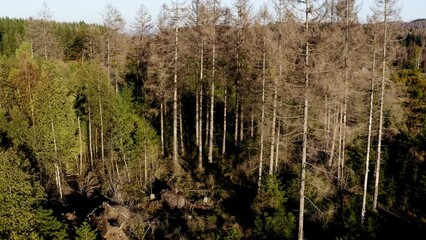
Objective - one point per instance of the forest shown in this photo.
(294, 121)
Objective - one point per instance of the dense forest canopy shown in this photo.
(214, 122)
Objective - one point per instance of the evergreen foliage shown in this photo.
(85, 232)
(87, 123)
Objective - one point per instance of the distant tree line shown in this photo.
(296, 120)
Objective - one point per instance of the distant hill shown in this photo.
(417, 24)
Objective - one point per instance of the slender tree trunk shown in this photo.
(109, 57)
(162, 127)
(112, 162)
(242, 123)
(200, 123)
(81, 147)
(224, 121)
(339, 155)
(262, 120)
(211, 124)
(305, 127)
(110, 168)
(237, 108)
(145, 160)
(274, 119)
(212, 98)
(303, 168)
(175, 102)
(127, 168)
(58, 180)
(200, 138)
(251, 123)
(197, 115)
(326, 130)
(345, 92)
(206, 141)
(370, 123)
(277, 156)
(382, 96)
(333, 142)
(329, 119)
(55, 148)
(140, 173)
(102, 126)
(118, 173)
(95, 144)
(182, 146)
(90, 140)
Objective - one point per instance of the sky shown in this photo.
(90, 10)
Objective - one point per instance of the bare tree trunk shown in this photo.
(345, 92)
(303, 168)
(278, 146)
(329, 119)
(326, 130)
(339, 155)
(110, 168)
(118, 173)
(175, 101)
(112, 162)
(212, 99)
(182, 146)
(140, 173)
(200, 123)
(109, 57)
(262, 120)
(90, 140)
(145, 164)
(58, 180)
(197, 114)
(370, 123)
(127, 168)
(206, 141)
(81, 147)
(333, 142)
(211, 124)
(242, 123)
(55, 148)
(274, 119)
(116, 80)
(382, 96)
(162, 126)
(95, 145)
(237, 107)
(102, 126)
(251, 123)
(200, 138)
(305, 127)
(224, 121)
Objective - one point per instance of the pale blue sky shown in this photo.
(90, 10)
